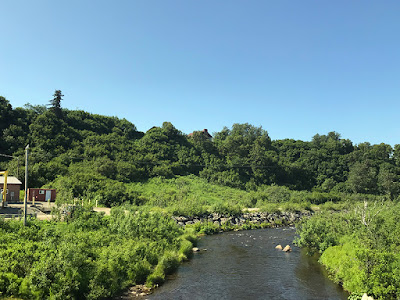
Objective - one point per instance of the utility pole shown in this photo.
(18, 167)
(4, 193)
(26, 183)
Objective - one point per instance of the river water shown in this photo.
(246, 265)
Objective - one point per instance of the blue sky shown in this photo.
(296, 68)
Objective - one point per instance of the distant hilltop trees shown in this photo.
(85, 152)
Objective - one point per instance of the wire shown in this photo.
(9, 156)
(148, 163)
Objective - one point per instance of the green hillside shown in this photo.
(91, 156)
(148, 177)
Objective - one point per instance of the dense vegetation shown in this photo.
(147, 177)
(359, 247)
(90, 256)
(95, 156)
(194, 196)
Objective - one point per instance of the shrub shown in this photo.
(185, 249)
(190, 236)
(169, 262)
(359, 247)
(156, 278)
(225, 209)
(139, 271)
(205, 227)
(295, 207)
(270, 207)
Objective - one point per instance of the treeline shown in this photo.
(95, 156)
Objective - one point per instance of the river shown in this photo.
(246, 265)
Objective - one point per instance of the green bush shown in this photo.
(205, 227)
(338, 260)
(190, 236)
(185, 249)
(270, 207)
(295, 207)
(169, 262)
(90, 256)
(359, 247)
(321, 231)
(188, 209)
(139, 271)
(156, 278)
(226, 209)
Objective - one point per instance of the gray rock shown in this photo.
(224, 220)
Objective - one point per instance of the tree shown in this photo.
(362, 178)
(5, 112)
(387, 180)
(5, 119)
(396, 154)
(52, 134)
(36, 109)
(55, 103)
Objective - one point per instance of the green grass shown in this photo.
(190, 195)
(194, 196)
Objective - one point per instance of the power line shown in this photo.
(9, 156)
(161, 163)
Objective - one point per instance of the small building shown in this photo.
(13, 188)
(42, 194)
(204, 132)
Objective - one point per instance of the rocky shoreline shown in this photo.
(257, 218)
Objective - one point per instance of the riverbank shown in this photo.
(246, 265)
(89, 255)
(359, 247)
(209, 224)
(248, 220)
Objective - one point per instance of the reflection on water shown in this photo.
(246, 265)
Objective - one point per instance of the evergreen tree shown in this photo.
(55, 103)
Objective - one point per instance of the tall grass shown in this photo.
(194, 196)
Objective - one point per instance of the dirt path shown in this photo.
(105, 210)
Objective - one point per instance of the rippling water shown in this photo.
(246, 265)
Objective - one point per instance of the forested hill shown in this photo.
(90, 155)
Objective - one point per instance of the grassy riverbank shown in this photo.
(360, 247)
(93, 256)
(162, 173)
(90, 256)
(194, 196)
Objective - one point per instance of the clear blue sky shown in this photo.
(296, 68)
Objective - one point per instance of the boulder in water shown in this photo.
(279, 247)
(287, 249)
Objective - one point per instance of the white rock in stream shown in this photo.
(287, 249)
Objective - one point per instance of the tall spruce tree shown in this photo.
(55, 103)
